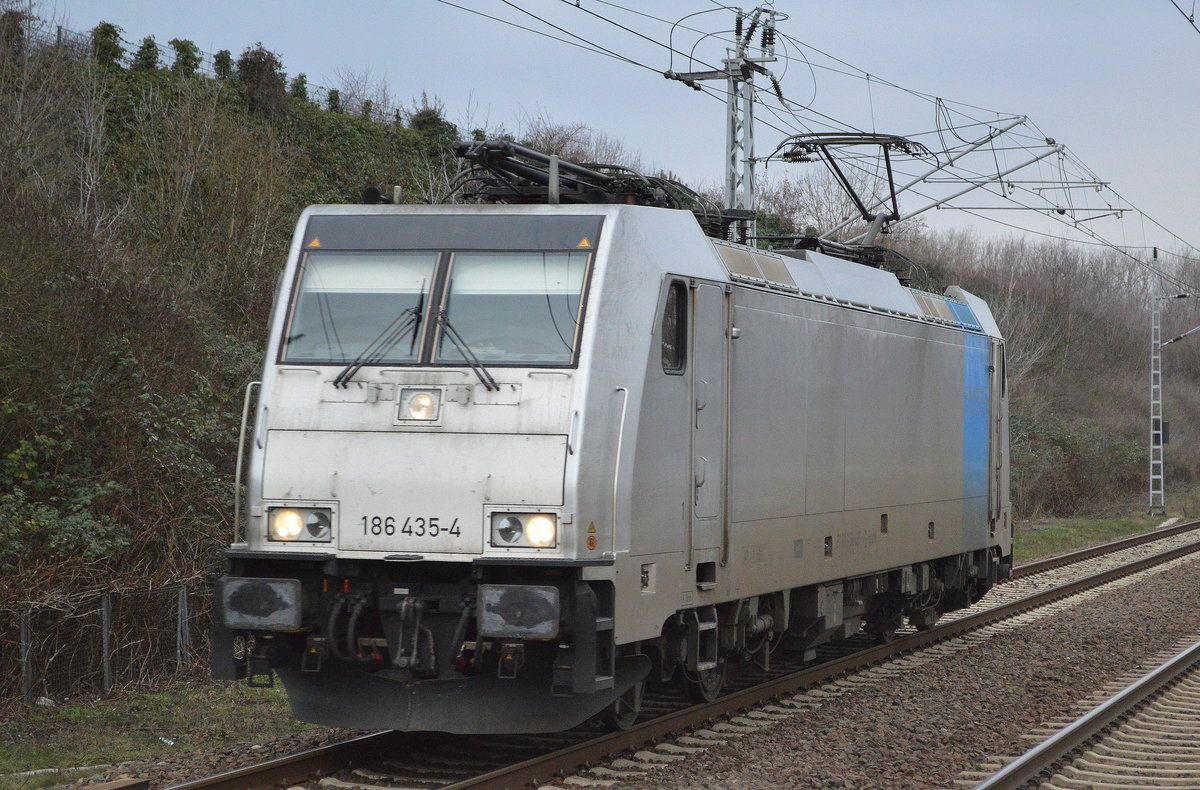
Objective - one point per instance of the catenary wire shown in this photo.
(532, 30)
(798, 123)
(1191, 18)
(1099, 240)
(574, 35)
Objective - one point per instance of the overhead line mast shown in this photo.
(739, 72)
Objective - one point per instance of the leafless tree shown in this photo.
(363, 88)
(811, 199)
(208, 184)
(577, 142)
(53, 137)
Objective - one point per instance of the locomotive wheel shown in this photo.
(625, 709)
(882, 636)
(924, 619)
(882, 623)
(705, 685)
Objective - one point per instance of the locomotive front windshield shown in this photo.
(514, 307)
(501, 291)
(345, 300)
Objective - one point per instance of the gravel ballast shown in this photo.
(921, 729)
(189, 766)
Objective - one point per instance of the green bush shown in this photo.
(51, 495)
(1063, 464)
(142, 231)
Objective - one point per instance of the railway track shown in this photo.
(1142, 735)
(1102, 549)
(445, 762)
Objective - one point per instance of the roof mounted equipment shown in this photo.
(502, 171)
(804, 147)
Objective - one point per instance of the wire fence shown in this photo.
(89, 647)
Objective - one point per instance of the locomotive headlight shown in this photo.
(509, 531)
(300, 524)
(419, 404)
(540, 531)
(524, 530)
(318, 525)
(286, 524)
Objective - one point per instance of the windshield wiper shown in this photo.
(383, 343)
(473, 362)
(409, 320)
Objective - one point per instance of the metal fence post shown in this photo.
(27, 654)
(183, 652)
(106, 639)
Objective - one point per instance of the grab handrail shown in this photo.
(237, 475)
(617, 463)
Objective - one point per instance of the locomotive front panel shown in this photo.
(405, 386)
(389, 501)
(410, 557)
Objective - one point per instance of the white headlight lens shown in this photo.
(419, 404)
(286, 524)
(421, 407)
(540, 531)
(524, 530)
(300, 524)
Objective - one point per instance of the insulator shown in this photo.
(778, 90)
(750, 32)
(737, 28)
(768, 37)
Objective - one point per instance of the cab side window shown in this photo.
(674, 329)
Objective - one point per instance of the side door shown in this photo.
(709, 394)
(997, 437)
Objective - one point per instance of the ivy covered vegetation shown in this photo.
(145, 209)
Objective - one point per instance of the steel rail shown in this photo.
(338, 756)
(1044, 756)
(1059, 560)
(302, 766)
(542, 769)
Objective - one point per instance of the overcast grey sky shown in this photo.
(1117, 82)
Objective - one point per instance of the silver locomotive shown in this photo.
(510, 463)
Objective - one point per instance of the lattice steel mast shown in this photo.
(1158, 505)
(738, 73)
(1158, 428)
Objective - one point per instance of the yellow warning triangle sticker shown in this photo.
(591, 527)
(584, 242)
(316, 242)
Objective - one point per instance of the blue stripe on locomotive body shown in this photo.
(975, 433)
(962, 313)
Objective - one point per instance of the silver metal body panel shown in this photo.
(800, 419)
